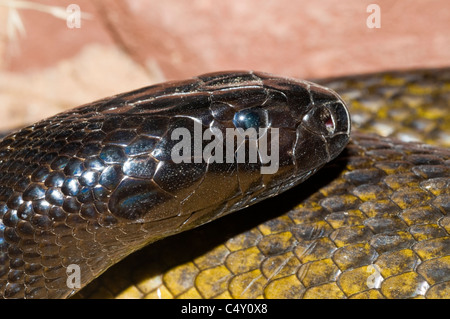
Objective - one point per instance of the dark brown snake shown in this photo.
(91, 185)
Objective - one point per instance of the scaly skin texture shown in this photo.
(374, 223)
(83, 189)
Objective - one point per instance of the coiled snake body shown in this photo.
(89, 186)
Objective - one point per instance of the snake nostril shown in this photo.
(328, 121)
(321, 120)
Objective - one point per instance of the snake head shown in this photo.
(319, 116)
(306, 125)
(223, 141)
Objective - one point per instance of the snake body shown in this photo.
(373, 223)
(87, 187)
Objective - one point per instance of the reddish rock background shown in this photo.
(128, 44)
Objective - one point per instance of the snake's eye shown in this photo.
(250, 118)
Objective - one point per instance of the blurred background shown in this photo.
(46, 67)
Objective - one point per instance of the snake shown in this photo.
(92, 185)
